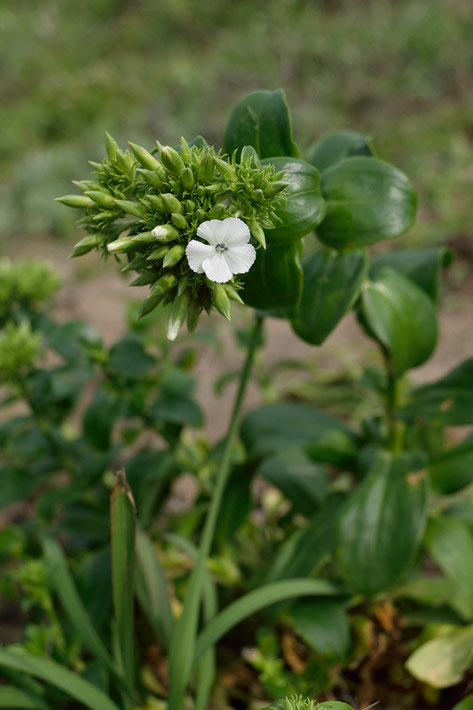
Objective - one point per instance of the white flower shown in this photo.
(227, 251)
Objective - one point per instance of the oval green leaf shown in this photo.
(304, 207)
(332, 283)
(401, 317)
(423, 266)
(275, 280)
(453, 470)
(382, 523)
(337, 146)
(367, 200)
(262, 120)
(442, 661)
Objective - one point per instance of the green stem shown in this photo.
(184, 637)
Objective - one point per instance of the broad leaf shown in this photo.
(453, 470)
(304, 207)
(442, 661)
(401, 317)
(262, 120)
(100, 417)
(423, 266)
(382, 523)
(129, 358)
(368, 200)
(303, 482)
(174, 403)
(323, 624)
(58, 676)
(336, 146)
(276, 427)
(332, 283)
(450, 542)
(465, 704)
(446, 402)
(275, 280)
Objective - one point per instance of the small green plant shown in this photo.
(354, 511)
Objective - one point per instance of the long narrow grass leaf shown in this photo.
(58, 676)
(12, 698)
(253, 602)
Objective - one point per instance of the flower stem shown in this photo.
(183, 641)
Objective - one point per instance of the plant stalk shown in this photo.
(184, 637)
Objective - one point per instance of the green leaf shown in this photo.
(236, 504)
(278, 426)
(72, 605)
(56, 675)
(122, 519)
(332, 283)
(149, 473)
(304, 552)
(446, 402)
(11, 697)
(99, 419)
(453, 470)
(262, 120)
(423, 266)
(255, 601)
(129, 358)
(174, 403)
(151, 589)
(465, 704)
(450, 542)
(336, 146)
(323, 624)
(401, 317)
(275, 280)
(388, 505)
(298, 478)
(367, 200)
(304, 207)
(442, 661)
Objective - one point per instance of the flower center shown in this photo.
(220, 248)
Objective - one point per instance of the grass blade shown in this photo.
(18, 699)
(151, 589)
(253, 602)
(122, 518)
(55, 674)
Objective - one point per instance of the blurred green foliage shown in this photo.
(397, 69)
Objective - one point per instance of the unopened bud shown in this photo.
(147, 160)
(148, 305)
(163, 285)
(186, 152)
(79, 201)
(85, 245)
(273, 188)
(257, 195)
(120, 246)
(174, 255)
(158, 253)
(131, 207)
(125, 161)
(249, 155)
(155, 201)
(257, 232)
(178, 315)
(142, 238)
(137, 263)
(221, 301)
(111, 146)
(179, 221)
(193, 315)
(155, 178)
(101, 198)
(225, 169)
(171, 203)
(232, 293)
(165, 233)
(172, 160)
(218, 211)
(144, 279)
(206, 168)
(86, 184)
(187, 179)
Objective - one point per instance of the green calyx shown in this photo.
(146, 208)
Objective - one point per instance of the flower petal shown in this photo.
(211, 231)
(197, 253)
(240, 258)
(216, 268)
(235, 232)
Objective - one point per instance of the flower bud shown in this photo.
(158, 253)
(155, 178)
(206, 168)
(104, 216)
(178, 315)
(86, 184)
(257, 195)
(85, 245)
(174, 255)
(101, 198)
(187, 179)
(165, 233)
(142, 238)
(257, 232)
(232, 293)
(273, 188)
(131, 207)
(171, 203)
(148, 305)
(125, 161)
(190, 205)
(172, 160)
(147, 160)
(155, 201)
(120, 245)
(218, 211)
(186, 153)
(179, 221)
(162, 285)
(111, 146)
(193, 315)
(138, 262)
(249, 156)
(79, 201)
(225, 169)
(221, 302)
(147, 277)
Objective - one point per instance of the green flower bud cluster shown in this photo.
(25, 283)
(144, 208)
(19, 347)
